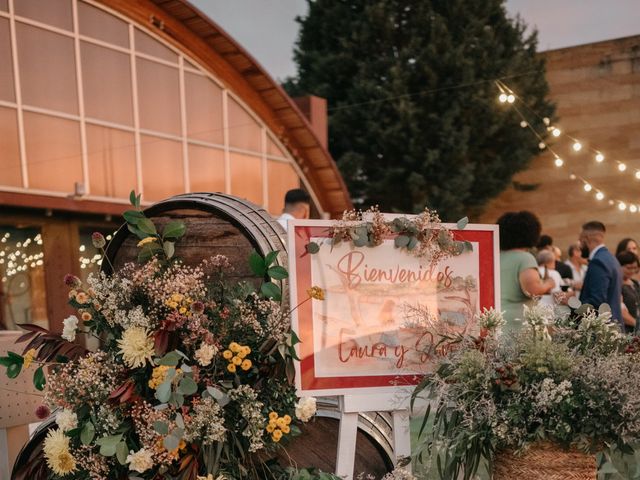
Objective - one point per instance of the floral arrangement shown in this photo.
(192, 378)
(569, 379)
(422, 235)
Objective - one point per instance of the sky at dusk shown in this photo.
(268, 31)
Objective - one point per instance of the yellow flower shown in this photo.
(227, 354)
(136, 347)
(280, 423)
(273, 415)
(287, 419)
(246, 350)
(270, 428)
(82, 298)
(56, 452)
(177, 297)
(144, 241)
(286, 429)
(245, 365)
(316, 293)
(231, 367)
(182, 310)
(158, 376)
(28, 358)
(234, 347)
(236, 361)
(276, 435)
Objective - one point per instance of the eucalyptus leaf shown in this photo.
(170, 442)
(171, 359)
(462, 223)
(401, 241)
(179, 420)
(187, 386)
(87, 433)
(122, 452)
(169, 249)
(163, 392)
(161, 427)
(413, 242)
(219, 396)
(174, 229)
(313, 247)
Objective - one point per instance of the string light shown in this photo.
(622, 206)
(524, 124)
(622, 167)
(633, 208)
(577, 146)
(587, 187)
(556, 132)
(502, 98)
(599, 157)
(599, 196)
(638, 174)
(511, 98)
(559, 162)
(542, 146)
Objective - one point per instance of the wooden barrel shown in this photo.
(222, 224)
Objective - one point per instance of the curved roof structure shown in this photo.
(189, 29)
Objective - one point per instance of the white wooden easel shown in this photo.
(351, 406)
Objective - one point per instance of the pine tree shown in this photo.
(413, 116)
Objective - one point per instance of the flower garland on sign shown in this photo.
(422, 236)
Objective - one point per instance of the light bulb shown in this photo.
(599, 195)
(622, 206)
(523, 124)
(511, 98)
(572, 176)
(638, 174)
(556, 132)
(541, 146)
(577, 146)
(546, 120)
(599, 157)
(587, 187)
(622, 167)
(502, 98)
(559, 162)
(633, 208)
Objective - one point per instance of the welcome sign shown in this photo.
(385, 309)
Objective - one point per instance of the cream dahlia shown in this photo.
(136, 347)
(56, 452)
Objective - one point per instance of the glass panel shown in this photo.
(281, 177)
(162, 169)
(54, 161)
(273, 149)
(158, 97)
(47, 69)
(106, 76)
(22, 289)
(246, 177)
(4, 5)
(10, 172)
(51, 12)
(6, 72)
(244, 131)
(112, 161)
(206, 169)
(204, 109)
(149, 45)
(97, 23)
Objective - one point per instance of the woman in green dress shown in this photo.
(520, 280)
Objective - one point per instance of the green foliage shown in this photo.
(263, 267)
(413, 117)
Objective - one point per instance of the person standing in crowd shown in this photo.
(578, 266)
(546, 266)
(520, 281)
(546, 243)
(627, 245)
(630, 290)
(297, 205)
(603, 281)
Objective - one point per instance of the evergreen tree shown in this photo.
(413, 116)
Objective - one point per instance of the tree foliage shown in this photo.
(413, 116)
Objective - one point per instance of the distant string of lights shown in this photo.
(508, 96)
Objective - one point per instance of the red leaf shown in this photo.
(120, 390)
(25, 337)
(32, 327)
(161, 342)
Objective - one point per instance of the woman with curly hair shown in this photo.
(520, 280)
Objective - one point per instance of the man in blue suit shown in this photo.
(603, 281)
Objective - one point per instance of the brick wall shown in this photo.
(596, 88)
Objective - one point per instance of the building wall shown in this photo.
(596, 88)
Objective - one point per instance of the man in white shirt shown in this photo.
(297, 204)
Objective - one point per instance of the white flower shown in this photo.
(140, 461)
(136, 347)
(306, 408)
(67, 420)
(205, 353)
(56, 452)
(491, 319)
(69, 329)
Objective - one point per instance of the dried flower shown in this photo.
(205, 354)
(28, 358)
(42, 412)
(136, 347)
(140, 461)
(316, 293)
(306, 408)
(72, 281)
(69, 329)
(56, 452)
(147, 240)
(67, 420)
(98, 240)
